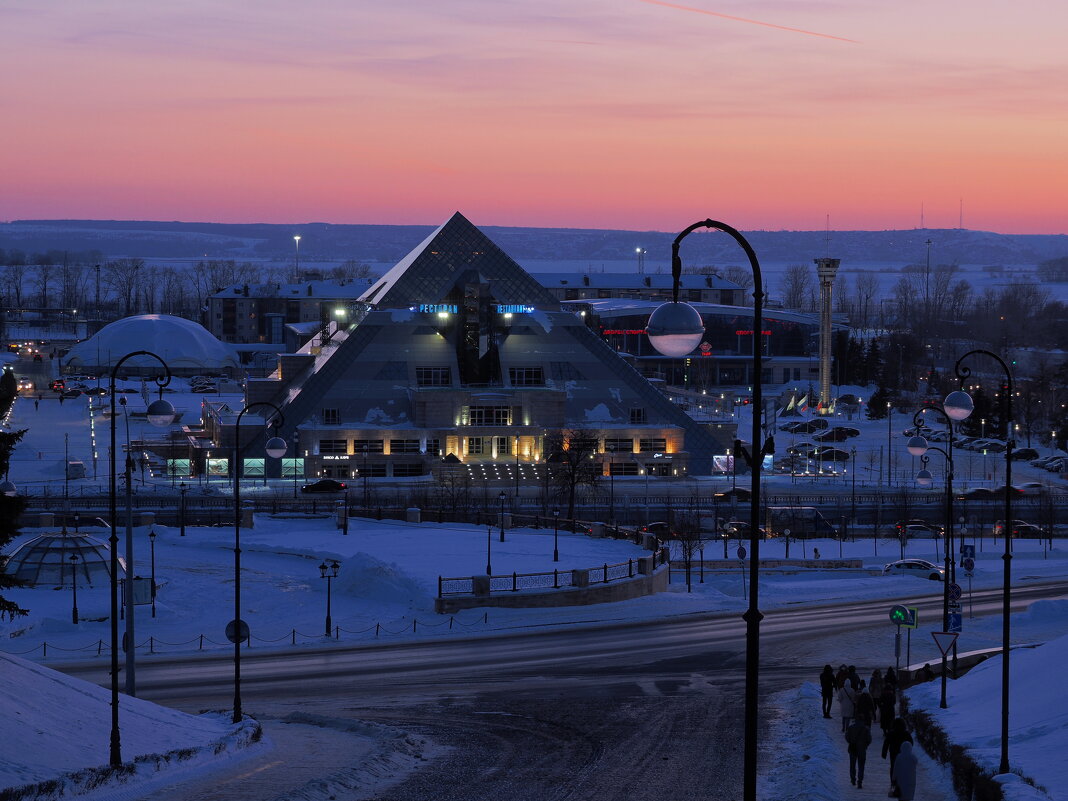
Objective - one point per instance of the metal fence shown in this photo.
(557, 579)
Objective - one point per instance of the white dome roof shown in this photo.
(181, 343)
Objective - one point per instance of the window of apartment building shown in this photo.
(623, 468)
(433, 446)
(474, 446)
(487, 416)
(367, 446)
(433, 376)
(333, 446)
(372, 470)
(504, 445)
(336, 471)
(652, 445)
(404, 446)
(526, 376)
(637, 417)
(618, 445)
(331, 417)
(407, 469)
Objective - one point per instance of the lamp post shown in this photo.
(181, 509)
(275, 448)
(152, 552)
(502, 498)
(74, 588)
(853, 500)
(962, 406)
(296, 258)
(328, 572)
(556, 535)
(160, 413)
(918, 446)
(675, 329)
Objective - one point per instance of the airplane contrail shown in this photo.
(750, 21)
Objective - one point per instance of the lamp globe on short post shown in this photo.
(329, 572)
(502, 497)
(556, 535)
(74, 588)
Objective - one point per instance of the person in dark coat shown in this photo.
(840, 677)
(827, 689)
(853, 678)
(858, 736)
(904, 773)
(897, 735)
(887, 708)
(875, 684)
(864, 704)
(890, 678)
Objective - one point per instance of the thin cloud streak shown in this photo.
(749, 21)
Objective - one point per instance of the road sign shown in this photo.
(955, 592)
(944, 640)
(954, 606)
(237, 631)
(967, 551)
(903, 616)
(968, 563)
(956, 622)
(741, 552)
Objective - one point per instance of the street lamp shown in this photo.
(181, 508)
(296, 260)
(328, 572)
(675, 329)
(918, 446)
(556, 535)
(160, 413)
(152, 552)
(275, 448)
(74, 588)
(502, 498)
(958, 406)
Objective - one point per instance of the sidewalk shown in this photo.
(813, 764)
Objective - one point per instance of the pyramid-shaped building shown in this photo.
(458, 356)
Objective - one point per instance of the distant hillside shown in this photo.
(388, 243)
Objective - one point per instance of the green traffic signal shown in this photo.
(900, 615)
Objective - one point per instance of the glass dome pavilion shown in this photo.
(45, 560)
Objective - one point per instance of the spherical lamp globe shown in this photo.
(160, 413)
(276, 447)
(917, 446)
(924, 478)
(958, 405)
(675, 329)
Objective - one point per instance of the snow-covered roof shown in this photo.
(181, 343)
(631, 281)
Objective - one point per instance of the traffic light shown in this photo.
(901, 615)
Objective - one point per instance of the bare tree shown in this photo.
(796, 286)
(122, 276)
(571, 463)
(743, 277)
(16, 277)
(866, 288)
(42, 278)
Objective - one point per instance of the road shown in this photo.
(640, 711)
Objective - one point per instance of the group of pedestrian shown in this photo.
(860, 703)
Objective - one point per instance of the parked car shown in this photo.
(96, 391)
(70, 393)
(916, 527)
(741, 528)
(915, 567)
(324, 485)
(1025, 453)
(1020, 528)
(837, 434)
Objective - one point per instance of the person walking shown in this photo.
(875, 684)
(846, 698)
(890, 678)
(858, 736)
(36, 404)
(864, 704)
(840, 677)
(827, 689)
(904, 773)
(898, 735)
(887, 708)
(853, 678)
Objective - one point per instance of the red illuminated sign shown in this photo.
(743, 333)
(622, 330)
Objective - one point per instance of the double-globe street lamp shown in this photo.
(955, 407)
(967, 406)
(238, 630)
(675, 329)
(329, 572)
(160, 413)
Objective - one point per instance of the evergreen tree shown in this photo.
(10, 512)
(877, 404)
(873, 364)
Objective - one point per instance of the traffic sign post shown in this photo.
(944, 640)
(955, 593)
(967, 552)
(741, 561)
(903, 617)
(237, 631)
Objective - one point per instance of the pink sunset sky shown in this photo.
(578, 113)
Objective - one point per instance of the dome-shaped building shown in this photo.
(187, 347)
(45, 561)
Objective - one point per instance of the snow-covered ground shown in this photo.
(388, 576)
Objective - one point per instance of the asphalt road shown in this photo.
(639, 712)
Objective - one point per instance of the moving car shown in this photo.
(915, 567)
(324, 485)
(977, 494)
(661, 530)
(1020, 528)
